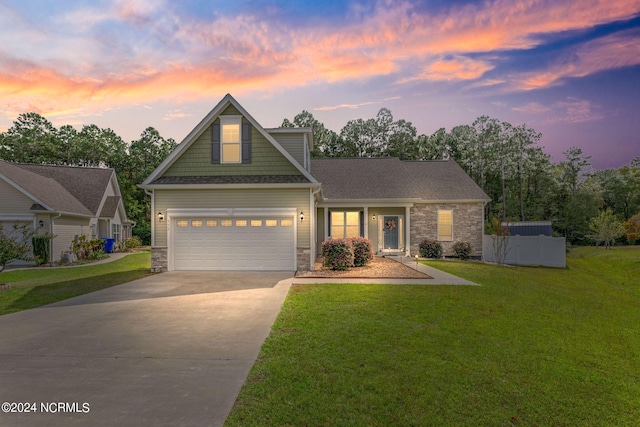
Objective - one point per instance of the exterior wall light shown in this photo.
(160, 216)
(41, 223)
(373, 218)
(301, 216)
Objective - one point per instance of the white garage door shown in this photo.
(233, 243)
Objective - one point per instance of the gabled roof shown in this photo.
(392, 178)
(74, 190)
(203, 125)
(110, 207)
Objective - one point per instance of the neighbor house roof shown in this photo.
(392, 178)
(66, 189)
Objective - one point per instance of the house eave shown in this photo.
(225, 186)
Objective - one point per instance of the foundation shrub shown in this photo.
(362, 251)
(430, 249)
(337, 254)
(462, 250)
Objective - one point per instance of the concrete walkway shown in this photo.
(172, 349)
(439, 277)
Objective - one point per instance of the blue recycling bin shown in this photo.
(108, 245)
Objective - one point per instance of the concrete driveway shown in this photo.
(168, 350)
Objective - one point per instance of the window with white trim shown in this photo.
(345, 224)
(445, 225)
(230, 140)
(115, 230)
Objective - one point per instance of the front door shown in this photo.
(390, 230)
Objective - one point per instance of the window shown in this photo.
(256, 223)
(182, 223)
(230, 140)
(115, 229)
(212, 223)
(345, 224)
(271, 222)
(241, 222)
(196, 223)
(445, 225)
(286, 223)
(226, 223)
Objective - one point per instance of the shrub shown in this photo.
(430, 249)
(41, 245)
(88, 248)
(143, 232)
(462, 250)
(14, 246)
(337, 254)
(128, 244)
(362, 251)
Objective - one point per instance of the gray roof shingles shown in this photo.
(392, 178)
(62, 188)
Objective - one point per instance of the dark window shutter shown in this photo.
(246, 142)
(329, 224)
(361, 223)
(215, 142)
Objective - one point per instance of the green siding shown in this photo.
(293, 143)
(231, 198)
(266, 160)
(230, 111)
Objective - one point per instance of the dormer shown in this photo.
(297, 141)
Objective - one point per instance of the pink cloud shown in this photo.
(181, 58)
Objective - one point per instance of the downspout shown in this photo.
(153, 219)
(313, 233)
(52, 227)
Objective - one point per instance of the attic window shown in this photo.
(230, 140)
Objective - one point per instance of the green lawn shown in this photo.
(530, 347)
(35, 287)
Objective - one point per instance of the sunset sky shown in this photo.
(568, 68)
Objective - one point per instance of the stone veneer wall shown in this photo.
(303, 259)
(467, 225)
(159, 259)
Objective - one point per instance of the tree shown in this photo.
(31, 139)
(606, 228)
(14, 245)
(325, 141)
(632, 228)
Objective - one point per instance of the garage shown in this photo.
(233, 243)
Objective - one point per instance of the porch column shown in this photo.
(407, 230)
(366, 222)
(326, 223)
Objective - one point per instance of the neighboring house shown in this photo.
(63, 201)
(236, 196)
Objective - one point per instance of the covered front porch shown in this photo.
(386, 224)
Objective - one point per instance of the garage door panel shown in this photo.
(233, 244)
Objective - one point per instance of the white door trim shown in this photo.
(172, 214)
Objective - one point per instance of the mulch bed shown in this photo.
(378, 268)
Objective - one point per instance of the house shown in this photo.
(63, 201)
(234, 196)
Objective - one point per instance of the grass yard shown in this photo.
(530, 347)
(35, 287)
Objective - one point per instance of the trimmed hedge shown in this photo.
(362, 251)
(462, 250)
(337, 254)
(430, 249)
(342, 254)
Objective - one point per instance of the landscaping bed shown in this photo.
(378, 267)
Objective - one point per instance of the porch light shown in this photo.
(41, 223)
(373, 218)
(301, 216)
(160, 216)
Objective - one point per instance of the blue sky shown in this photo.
(568, 68)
